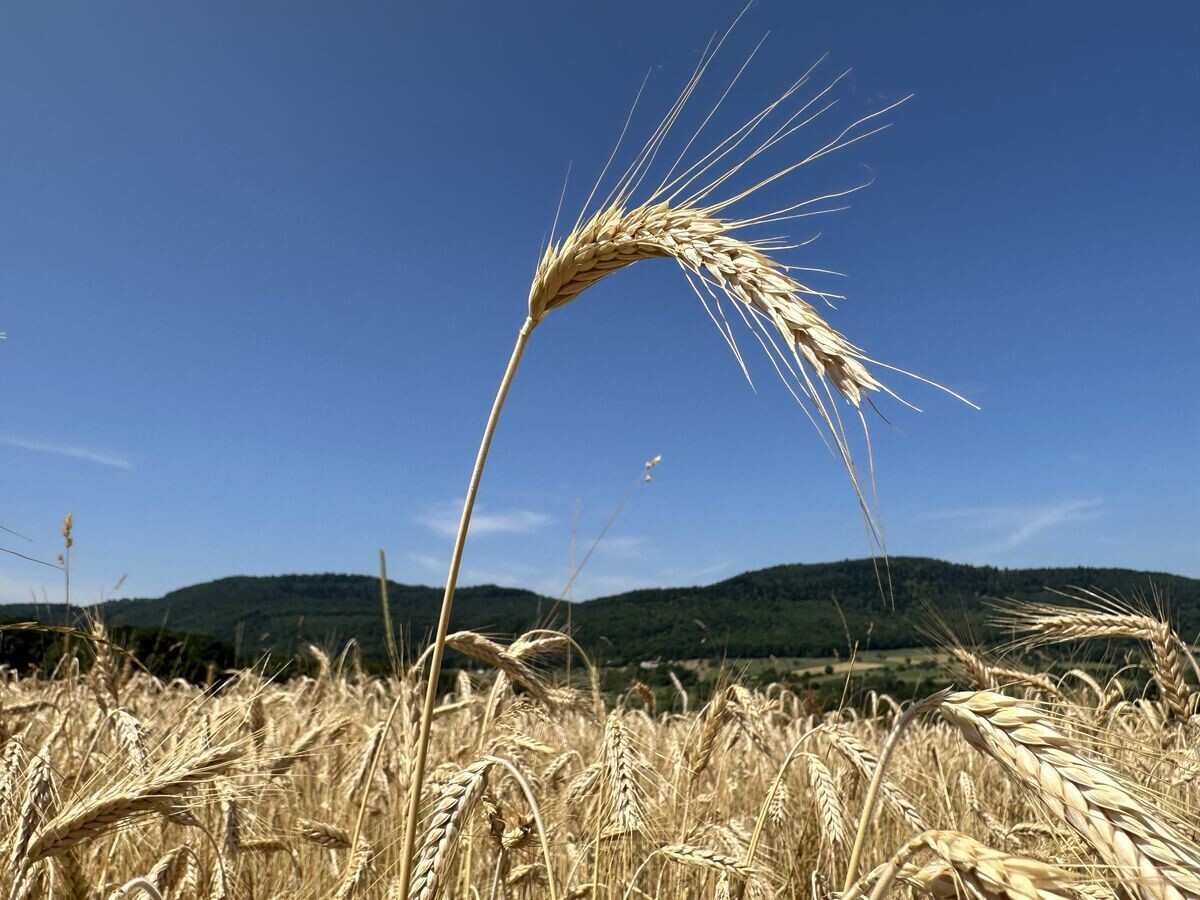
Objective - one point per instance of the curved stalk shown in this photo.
(536, 812)
(439, 645)
(770, 798)
(877, 779)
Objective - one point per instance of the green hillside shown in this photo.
(807, 610)
(282, 613)
(793, 610)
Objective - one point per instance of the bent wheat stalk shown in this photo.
(877, 783)
(686, 227)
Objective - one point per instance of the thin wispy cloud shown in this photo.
(621, 547)
(444, 521)
(700, 575)
(1013, 526)
(71, 451)
(426, 561)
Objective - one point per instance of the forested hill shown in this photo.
(793, 610)
(811, 609)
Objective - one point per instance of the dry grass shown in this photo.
(299, 789)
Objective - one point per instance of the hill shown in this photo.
(790, 610)
(817, 609)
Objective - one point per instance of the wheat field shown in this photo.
(1022, 785)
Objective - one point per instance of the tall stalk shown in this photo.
(389, 634)
(682, 221)
(439, 645)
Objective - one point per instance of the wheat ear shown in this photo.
(716, 715)
(1147, 852)
(323, 834)
(486, 651)
(867, 764)
(355, 876)
(967, 788)
(303, 746)
(705, 246)
(623, 763)
(777, 809)
(13, 762)
(134, 888)
(167, 871)
(1107, 617)
(39, 793)
(987, 677)
(90, 816)
(829, 801)
(363, 774)
(450, 814)
(131, 735)
(691, 855)
(585, 784)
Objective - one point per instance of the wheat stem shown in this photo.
(439, 645)
(877, 779)
(764, 810)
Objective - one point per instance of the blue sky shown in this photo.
(262, 265)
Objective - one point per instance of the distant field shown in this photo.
(832, 679)
(899, 659)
